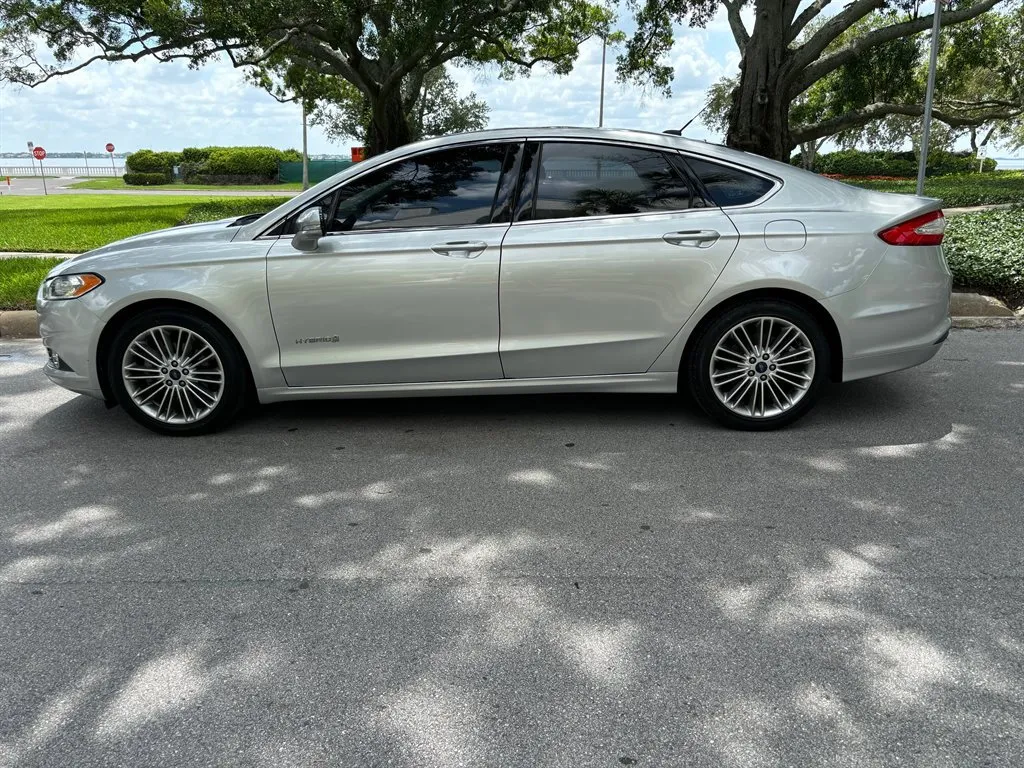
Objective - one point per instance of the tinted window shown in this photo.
(729, 186)
(448, 188)
(574, 180)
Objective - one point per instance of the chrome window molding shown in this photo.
(666, 212)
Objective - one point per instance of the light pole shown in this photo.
(928, 97)
(305, 153)
(600, 109)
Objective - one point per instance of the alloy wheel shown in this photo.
(173, 374)
(762, 367)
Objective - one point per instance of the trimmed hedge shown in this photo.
(243, 161)
(147, 179)
(985, 252)
(213, 165)
(233, 165)
(854, 162)
(148, 161)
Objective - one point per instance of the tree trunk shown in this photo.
(759, 115)
(389, 125)
(808, 153)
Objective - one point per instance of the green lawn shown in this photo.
(118, 183)
(76, 223)
(959, 191)
(20, 279)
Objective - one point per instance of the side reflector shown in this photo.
(921, 230)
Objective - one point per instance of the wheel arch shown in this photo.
(133, 310)
(802, 300)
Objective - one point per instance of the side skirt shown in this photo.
(633, 382)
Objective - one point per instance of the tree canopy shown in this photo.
(791, 46)
(875, 99)
(343, 112)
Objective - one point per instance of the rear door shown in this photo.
(610, 252)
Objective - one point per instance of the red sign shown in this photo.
(39, 153)
(358, 154)
(110, 147)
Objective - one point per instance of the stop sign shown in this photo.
(110, 147)
(39, 153)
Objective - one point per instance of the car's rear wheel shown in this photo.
(176, 373)
(759, 365)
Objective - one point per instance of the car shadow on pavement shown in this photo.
(587, 580)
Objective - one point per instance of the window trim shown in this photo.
(265, 234)
(531, 150)
(775, 180)
(508, 200)
(696, 193)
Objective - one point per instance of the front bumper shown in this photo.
(72, 331)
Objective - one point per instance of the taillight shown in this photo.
(921, 230)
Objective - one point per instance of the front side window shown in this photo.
(580, 180)
(729, 186)
(447, 188)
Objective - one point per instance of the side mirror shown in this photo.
(308, 230)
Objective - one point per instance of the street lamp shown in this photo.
(600, 110)
(928, 96)
(305, 149)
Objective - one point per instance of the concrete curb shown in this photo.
(979, 323)
(35, 255)
(964, 304)
(24, 323)
(19, 324)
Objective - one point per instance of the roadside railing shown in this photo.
(62, 170)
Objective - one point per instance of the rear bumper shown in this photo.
(875, 365)
(899, 317)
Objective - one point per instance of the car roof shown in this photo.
(629, 135)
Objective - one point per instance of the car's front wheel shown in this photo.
(760, 365)
(176, 373)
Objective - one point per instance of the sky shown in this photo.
(168, 106)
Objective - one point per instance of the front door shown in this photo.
(404, 287)
(610, 253)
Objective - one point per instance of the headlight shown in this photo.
(70, 286)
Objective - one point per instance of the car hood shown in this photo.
(220, 231)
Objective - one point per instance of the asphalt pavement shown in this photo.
(524, 581)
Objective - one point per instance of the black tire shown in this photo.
(697, 369)
(236, 382)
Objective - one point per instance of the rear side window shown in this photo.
(729, 186)
(580, 180)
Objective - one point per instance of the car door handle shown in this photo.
(461, 249)
(694, 238)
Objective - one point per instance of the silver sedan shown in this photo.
(517, 260)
